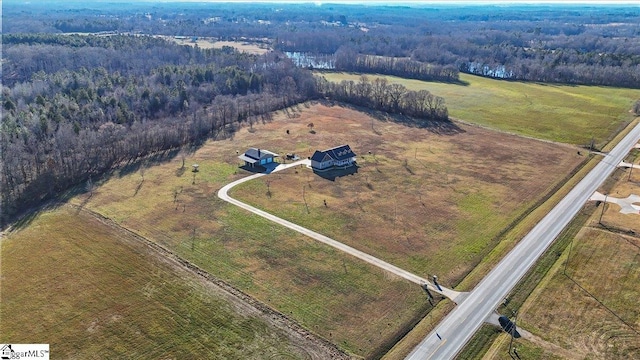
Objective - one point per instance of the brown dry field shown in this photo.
(439, 213)
(427, 200)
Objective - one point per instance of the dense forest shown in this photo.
(117, 99)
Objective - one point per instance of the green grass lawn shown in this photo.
(94, 292)
(564, 113)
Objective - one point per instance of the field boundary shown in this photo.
(278, 319)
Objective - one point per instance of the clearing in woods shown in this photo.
(208, 43)
(430, 200)
(92, 290)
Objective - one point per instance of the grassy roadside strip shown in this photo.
(413, 337)
(623, 132)
(478, 345)
(511, 237)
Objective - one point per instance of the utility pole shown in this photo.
(603, 205)
(512, 332)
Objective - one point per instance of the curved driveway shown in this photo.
(223, 194)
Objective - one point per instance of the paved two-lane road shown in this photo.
(458, 327)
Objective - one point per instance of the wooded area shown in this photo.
(76, 106)
(120, 98)
(564, 43)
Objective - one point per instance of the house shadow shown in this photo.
(256, 169)
(334, 173)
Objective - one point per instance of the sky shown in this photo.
(400, 2)
(377, 2)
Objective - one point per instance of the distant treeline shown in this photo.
(574, 44)
(348, 60)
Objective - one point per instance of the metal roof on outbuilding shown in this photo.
(259, 154)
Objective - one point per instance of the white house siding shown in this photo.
(321, 165)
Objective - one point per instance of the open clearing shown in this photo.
(426, 201)
(580, 309)
(207, 43)
(91, 290)
(473, 183)
(564, 113)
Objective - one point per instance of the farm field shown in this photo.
(583, 303)
(563, 113)
(426, 201)
(93, 291)
(472, 177)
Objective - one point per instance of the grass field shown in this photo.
(427, 202)
(92, 291)
(350, 303)
(472, 182)
(564, 113)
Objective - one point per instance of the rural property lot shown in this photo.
(93, 291)
(423, 201)
(429, 200)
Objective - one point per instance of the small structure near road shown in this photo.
(341, 156)
(258, 158)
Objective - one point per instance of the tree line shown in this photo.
(348, 60)
(562, 43)
(392, 98)
(59, 129)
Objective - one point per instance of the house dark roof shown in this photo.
(340, 153)
(259, 154)
(319, 156)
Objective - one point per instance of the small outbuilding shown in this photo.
(341, 156)
(257, 157)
